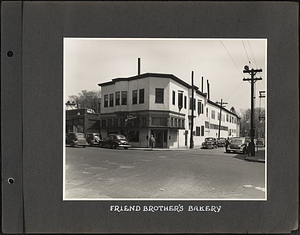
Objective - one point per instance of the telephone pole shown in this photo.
(220, 118)
(252, 80)
(192, 118)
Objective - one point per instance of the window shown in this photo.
(134, 97)
(133, 136)
(180, 100)
(226, 117)
(141, 96)
(173, 97)
(111, 100)
(197, 130)
(218, 116)
(116, 122)
(117, 98)
(105, 101)
(109, 122)
(200, 107)
(191, 103)
(202, 130)
(213, 114)
(103, 122)
(185, 102)
(159, 95)
(124, 97)
(206, 112)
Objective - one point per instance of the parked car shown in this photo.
(209, 143)
(93, 138)
(238, 144)
(76, 139)
(115, 141)
(260, 142)
(221, 142)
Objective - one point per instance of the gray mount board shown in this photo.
(32, 95)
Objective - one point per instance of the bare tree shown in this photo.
(87, 99)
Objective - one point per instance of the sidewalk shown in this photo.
(160, 149)
(259, 156)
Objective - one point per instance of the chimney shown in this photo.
(208, 95)
(139, 66)
(202, 85)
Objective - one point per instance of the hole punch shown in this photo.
(10, 53)
(10, 180)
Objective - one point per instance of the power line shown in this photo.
(234, 90)
(252, 53)
(240, 96)
(231, 58)
(246, 52)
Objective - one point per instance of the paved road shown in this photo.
(97, 173)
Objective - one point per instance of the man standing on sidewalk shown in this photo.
(152, 141)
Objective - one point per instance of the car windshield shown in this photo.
(208, 139)
(120, 137)
(237, 141)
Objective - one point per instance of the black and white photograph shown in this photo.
(157, 119)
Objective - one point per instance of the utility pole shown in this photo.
(192, 118)
(261, 95)
(220, 118)
(252, 80)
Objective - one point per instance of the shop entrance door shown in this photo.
(159, 138)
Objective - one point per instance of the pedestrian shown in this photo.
(152, 142)
(226, 143)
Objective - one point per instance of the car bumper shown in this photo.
(124, 145)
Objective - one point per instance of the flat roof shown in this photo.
(160, 75)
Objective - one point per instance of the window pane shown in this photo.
(117, 98)
(111, 100)
(159, 95)
(124, 97)
(105, 101)
(141, 96)
(134, 97)
(173, 97)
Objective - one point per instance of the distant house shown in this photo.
(160, 105)
(83, 121)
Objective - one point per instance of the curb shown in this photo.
(254, 159)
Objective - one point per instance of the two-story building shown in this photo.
(160, 105)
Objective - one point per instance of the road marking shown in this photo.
(261, 189)
(162, 156)
(257, 188)
(126, 167)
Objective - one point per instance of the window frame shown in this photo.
(157, 101)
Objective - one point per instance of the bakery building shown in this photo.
(160, 105)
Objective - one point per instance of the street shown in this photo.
(98, 173)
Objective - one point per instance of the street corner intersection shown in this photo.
(97, 173)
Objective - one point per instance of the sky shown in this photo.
(88, 62)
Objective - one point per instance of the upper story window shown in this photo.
(173, 97)
(200, 107)
(191, 103)
(180, 100)
(124, 97)
(134, 97)
(111, 100)
(159, 95)
(226, 117)
(105, 101)
(213, 114)
(206, 112)
(185, 101)
(141, 96)
(117, 98)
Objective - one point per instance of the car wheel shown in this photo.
(125, 147)
(72, 144)
(83, 146)
(113, 146)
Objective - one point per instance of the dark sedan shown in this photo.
(209, 143)
(114, 141)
